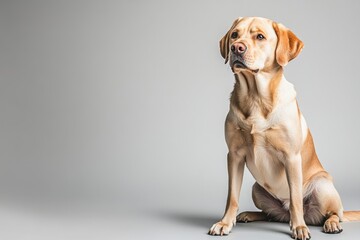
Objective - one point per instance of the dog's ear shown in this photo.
(288, 45)
(224, 42)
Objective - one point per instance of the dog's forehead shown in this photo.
(254, 24)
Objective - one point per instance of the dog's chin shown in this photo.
(238, 66)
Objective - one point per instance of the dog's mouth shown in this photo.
(237, 64)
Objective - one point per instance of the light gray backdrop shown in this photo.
(112, 112)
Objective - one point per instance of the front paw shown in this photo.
(221, 228)
(300, 233)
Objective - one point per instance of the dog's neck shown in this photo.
(261, 93)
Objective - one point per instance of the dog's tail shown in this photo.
(350, 216)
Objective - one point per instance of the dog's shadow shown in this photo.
(191, 219)
(205, 221)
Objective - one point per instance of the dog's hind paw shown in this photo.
(251, 217)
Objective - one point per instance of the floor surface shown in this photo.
(107, 223)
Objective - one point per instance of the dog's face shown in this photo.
(258, 44)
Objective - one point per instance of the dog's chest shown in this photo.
(266, 137)
(270, 130)
(264, 161)
(257, 119)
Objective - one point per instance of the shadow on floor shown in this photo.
(273, 227)
(205, 221)
(191, 219)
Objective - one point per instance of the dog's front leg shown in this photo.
(236, 163)
(293, 169)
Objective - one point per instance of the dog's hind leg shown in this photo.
(329, 204)
(272, 208)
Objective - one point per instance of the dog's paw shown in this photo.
(301, 233)
(331, 226)
(221, 228)
(250, 217)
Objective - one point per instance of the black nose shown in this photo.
(238, 48)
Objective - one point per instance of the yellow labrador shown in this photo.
(265, 130)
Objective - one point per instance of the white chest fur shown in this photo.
(267, 134)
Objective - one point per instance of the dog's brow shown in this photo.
(256, 29)
(240, 30)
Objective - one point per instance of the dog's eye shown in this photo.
(234, 35)
(260, 37)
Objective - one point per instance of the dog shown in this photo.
(266, 131)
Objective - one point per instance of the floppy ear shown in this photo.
(288, 45)
(224, 42)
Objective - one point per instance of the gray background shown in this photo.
(112, 112)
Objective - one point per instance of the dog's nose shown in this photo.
(238, 48)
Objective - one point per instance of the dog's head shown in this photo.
(258, 44)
